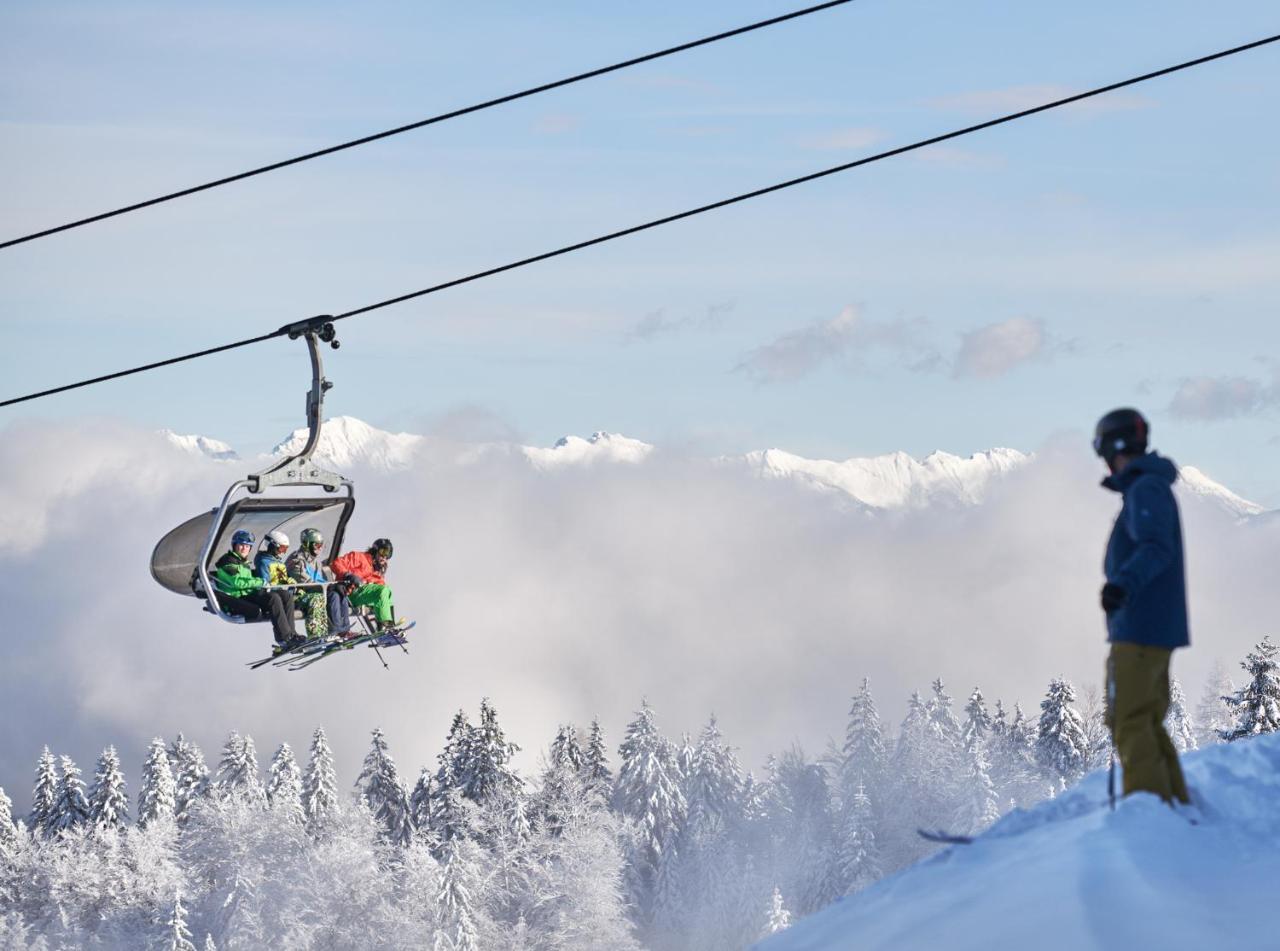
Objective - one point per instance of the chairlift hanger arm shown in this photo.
(299, 469)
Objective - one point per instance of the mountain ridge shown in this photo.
(890, 482)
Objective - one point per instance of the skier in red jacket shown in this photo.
(365, 572)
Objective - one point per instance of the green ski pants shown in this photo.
(1137, 701)
(376, 596)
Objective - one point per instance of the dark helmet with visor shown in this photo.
(1121, 431)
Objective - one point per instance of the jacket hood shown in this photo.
(1152, 464)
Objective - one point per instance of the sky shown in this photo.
(998, 291)
(1006, 286)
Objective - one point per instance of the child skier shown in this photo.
(240, 592)
(366, 570)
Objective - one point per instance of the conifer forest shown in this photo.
(656, 842)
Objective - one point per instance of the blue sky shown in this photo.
(1011, 286)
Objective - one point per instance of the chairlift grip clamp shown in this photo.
(321, 326)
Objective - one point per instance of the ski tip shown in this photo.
(944, 838)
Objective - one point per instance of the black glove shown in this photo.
(1113, 597)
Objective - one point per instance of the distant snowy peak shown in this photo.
(600, 447)
(1196, 482)
(896, 480)
(346, 441)
(200, 445)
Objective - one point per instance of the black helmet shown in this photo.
(1121, 431)
(382, 546)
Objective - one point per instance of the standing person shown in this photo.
(1145, 600)
(305, 567)
(239, 591)
(366, 570)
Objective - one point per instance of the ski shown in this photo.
(944, 838)
(277, 655)
(392, 637)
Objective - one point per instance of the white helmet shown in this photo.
(276, 542)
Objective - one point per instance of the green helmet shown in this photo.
(311, 539)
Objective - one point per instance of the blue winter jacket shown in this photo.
(1144, 556)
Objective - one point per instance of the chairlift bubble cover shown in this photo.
(174, 561)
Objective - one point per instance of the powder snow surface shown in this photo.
(1070, 874)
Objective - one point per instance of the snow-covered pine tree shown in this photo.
(190, 777)
(157, 798)
(864, 746)
(777, 918)
(806, 829)
(595, 763)
(284, 788)
(1213, 716)
(858, 856)
(71, 807)
(565, 749)
(320, 785)
(456, 924)
(939, 707)
(1062, 748)
(420, 803)
(238, 774)
(977, 722)
(648, 793)
(1177, 721)
(108, 801)
(44, 795)
(1256, 705)
(714, 784)
(979, 804)
(490, 772)
(380, 787)
(177, 934)
(8, 828)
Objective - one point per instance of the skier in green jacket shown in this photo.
(240, 591)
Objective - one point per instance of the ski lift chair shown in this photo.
(183, 560)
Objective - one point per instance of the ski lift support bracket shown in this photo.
(299, 469)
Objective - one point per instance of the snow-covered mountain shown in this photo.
(1070, 874)
(201, 445)
(599, 447)
(346, 441)
(895, 481)
(1196, 482)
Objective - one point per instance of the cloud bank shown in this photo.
(1208, 398)
(566, 594)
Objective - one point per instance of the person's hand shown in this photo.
(1113, 597)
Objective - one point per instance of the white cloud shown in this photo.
(798, 353)
(842, 139)
(1017, 98)
(998, 348)
(556, 124)
(570, 594)
(1211, 398)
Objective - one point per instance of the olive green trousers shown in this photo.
(1137, 701)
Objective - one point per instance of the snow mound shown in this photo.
(346, 441)
(600, 447)
(1071, 874)
(1196, 482)
(200, 445)
(896, 480)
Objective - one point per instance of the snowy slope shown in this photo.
(1070, 874)
(600, 447)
